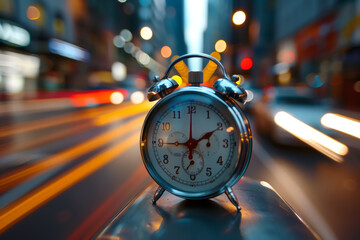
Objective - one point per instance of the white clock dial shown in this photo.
(190, 145)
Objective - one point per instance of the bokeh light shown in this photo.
(116, 98)
(137, 97)
(246, 63)
(33, 13)
(239, 17)
(166, 51)
(220, 46)
(118, 71)
(146, 33)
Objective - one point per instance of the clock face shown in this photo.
(191, 144)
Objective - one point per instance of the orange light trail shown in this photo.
(17, 176)
(11, 147)
(25, 205)
(57, 120)
(122, 113)
(92, 224)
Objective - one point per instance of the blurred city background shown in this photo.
(73, 80)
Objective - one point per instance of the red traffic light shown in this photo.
(246, 63)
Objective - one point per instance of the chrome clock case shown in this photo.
(227, 95)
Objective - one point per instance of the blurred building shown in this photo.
(166, 20)
(314, 43)
(221, 27)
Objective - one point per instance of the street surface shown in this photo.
(66, 173)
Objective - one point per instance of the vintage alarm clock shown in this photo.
(196, 141)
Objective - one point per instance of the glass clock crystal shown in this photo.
(196, 141)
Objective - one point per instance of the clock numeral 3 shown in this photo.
(226, 143)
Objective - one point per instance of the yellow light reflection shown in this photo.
(321, 142)
(178, 79)
(341, 123)
(230, 129)
(220, 46)
(182, 69)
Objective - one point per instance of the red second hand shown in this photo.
(190, 136)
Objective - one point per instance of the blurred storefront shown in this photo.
(315, 44)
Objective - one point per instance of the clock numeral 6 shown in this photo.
(192, 177)
(166, 126)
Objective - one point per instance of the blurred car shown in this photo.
(300, 102)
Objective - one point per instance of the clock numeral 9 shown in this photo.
(208, 172)
(166, 126)
(166, 159)
(160, 142)
(226, 143)
(191, 109)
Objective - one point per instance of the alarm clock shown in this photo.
(196, 141)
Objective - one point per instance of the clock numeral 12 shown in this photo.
(191, 109)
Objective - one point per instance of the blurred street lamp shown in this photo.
(166, 51)
(33, 13)
(146, 33)
(239, 17)
(220, 46)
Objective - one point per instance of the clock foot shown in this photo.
(229, 193)
(158, 194)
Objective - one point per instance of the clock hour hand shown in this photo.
(206, 136)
